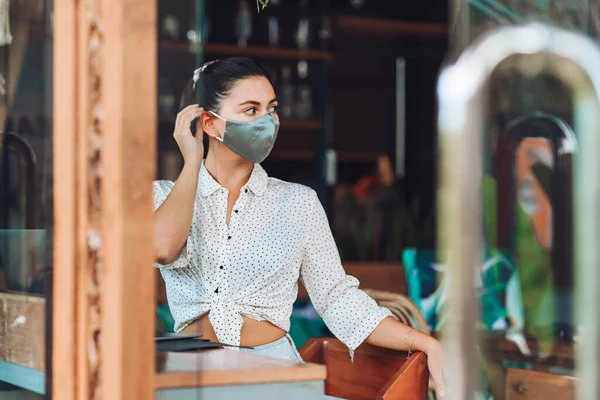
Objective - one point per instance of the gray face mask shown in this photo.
(252, 140)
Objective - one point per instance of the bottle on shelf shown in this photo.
(166, 98)
(192, 35)
(273, 31)
(243, 24)
(274, 34)
(304, 103)
(287, 93)
(357, 4)
(325, 31)
(303, 31)
(170, 27)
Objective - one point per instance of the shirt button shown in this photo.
(221, 267)
(228, 237)
(246, 191)
(217, 290)
(236, 211)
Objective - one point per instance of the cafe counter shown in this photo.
(229, 374)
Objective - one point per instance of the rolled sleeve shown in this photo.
(160, 190)
(349, 313)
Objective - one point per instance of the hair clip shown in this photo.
(200, 70)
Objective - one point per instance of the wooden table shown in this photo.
(229, 374)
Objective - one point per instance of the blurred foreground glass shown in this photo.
(516, 111)
(472, 18)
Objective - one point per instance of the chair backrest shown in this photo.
(376, 373)
(402, 307)
(522, 384)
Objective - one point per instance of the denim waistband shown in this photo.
(284, 340)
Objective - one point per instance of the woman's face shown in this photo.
(249, 99)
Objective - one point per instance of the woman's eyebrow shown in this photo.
(255, 103)
(250, 102)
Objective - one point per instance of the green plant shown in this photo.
(262, 3)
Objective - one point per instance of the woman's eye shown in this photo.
(273, 109)
(250, 111)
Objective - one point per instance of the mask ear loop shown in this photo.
(219, 138)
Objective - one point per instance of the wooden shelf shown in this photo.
(307, 155)
(250, 51)
(302, 126)
(357, 156)
(291, 155)
(384, 27)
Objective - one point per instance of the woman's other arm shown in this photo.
(173, 219)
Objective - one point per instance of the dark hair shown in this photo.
(217, 79)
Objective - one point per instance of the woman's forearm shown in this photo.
(392, 334)
(173, 219)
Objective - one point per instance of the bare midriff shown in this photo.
(254, 333)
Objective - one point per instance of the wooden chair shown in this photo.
(407, 312)
(376, 373)
(522, 384)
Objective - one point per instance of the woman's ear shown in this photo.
(208, 125)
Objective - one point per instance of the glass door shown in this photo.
(527, 149)
(26, 206)
(472, 18)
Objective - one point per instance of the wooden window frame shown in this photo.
(105, 83)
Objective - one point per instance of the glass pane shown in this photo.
(25, 198)
(575, 15)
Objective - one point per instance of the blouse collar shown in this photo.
(257, 183)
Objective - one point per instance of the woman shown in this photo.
(231, 243)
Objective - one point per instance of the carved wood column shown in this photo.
(104, 159)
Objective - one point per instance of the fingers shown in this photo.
(189, 109)
(439, 385)
(190, 114)
(180, 113)
(185, 118)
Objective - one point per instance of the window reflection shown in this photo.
(25, 196)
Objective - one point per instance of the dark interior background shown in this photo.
(352, 78)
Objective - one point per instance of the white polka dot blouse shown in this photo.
(278, 233)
